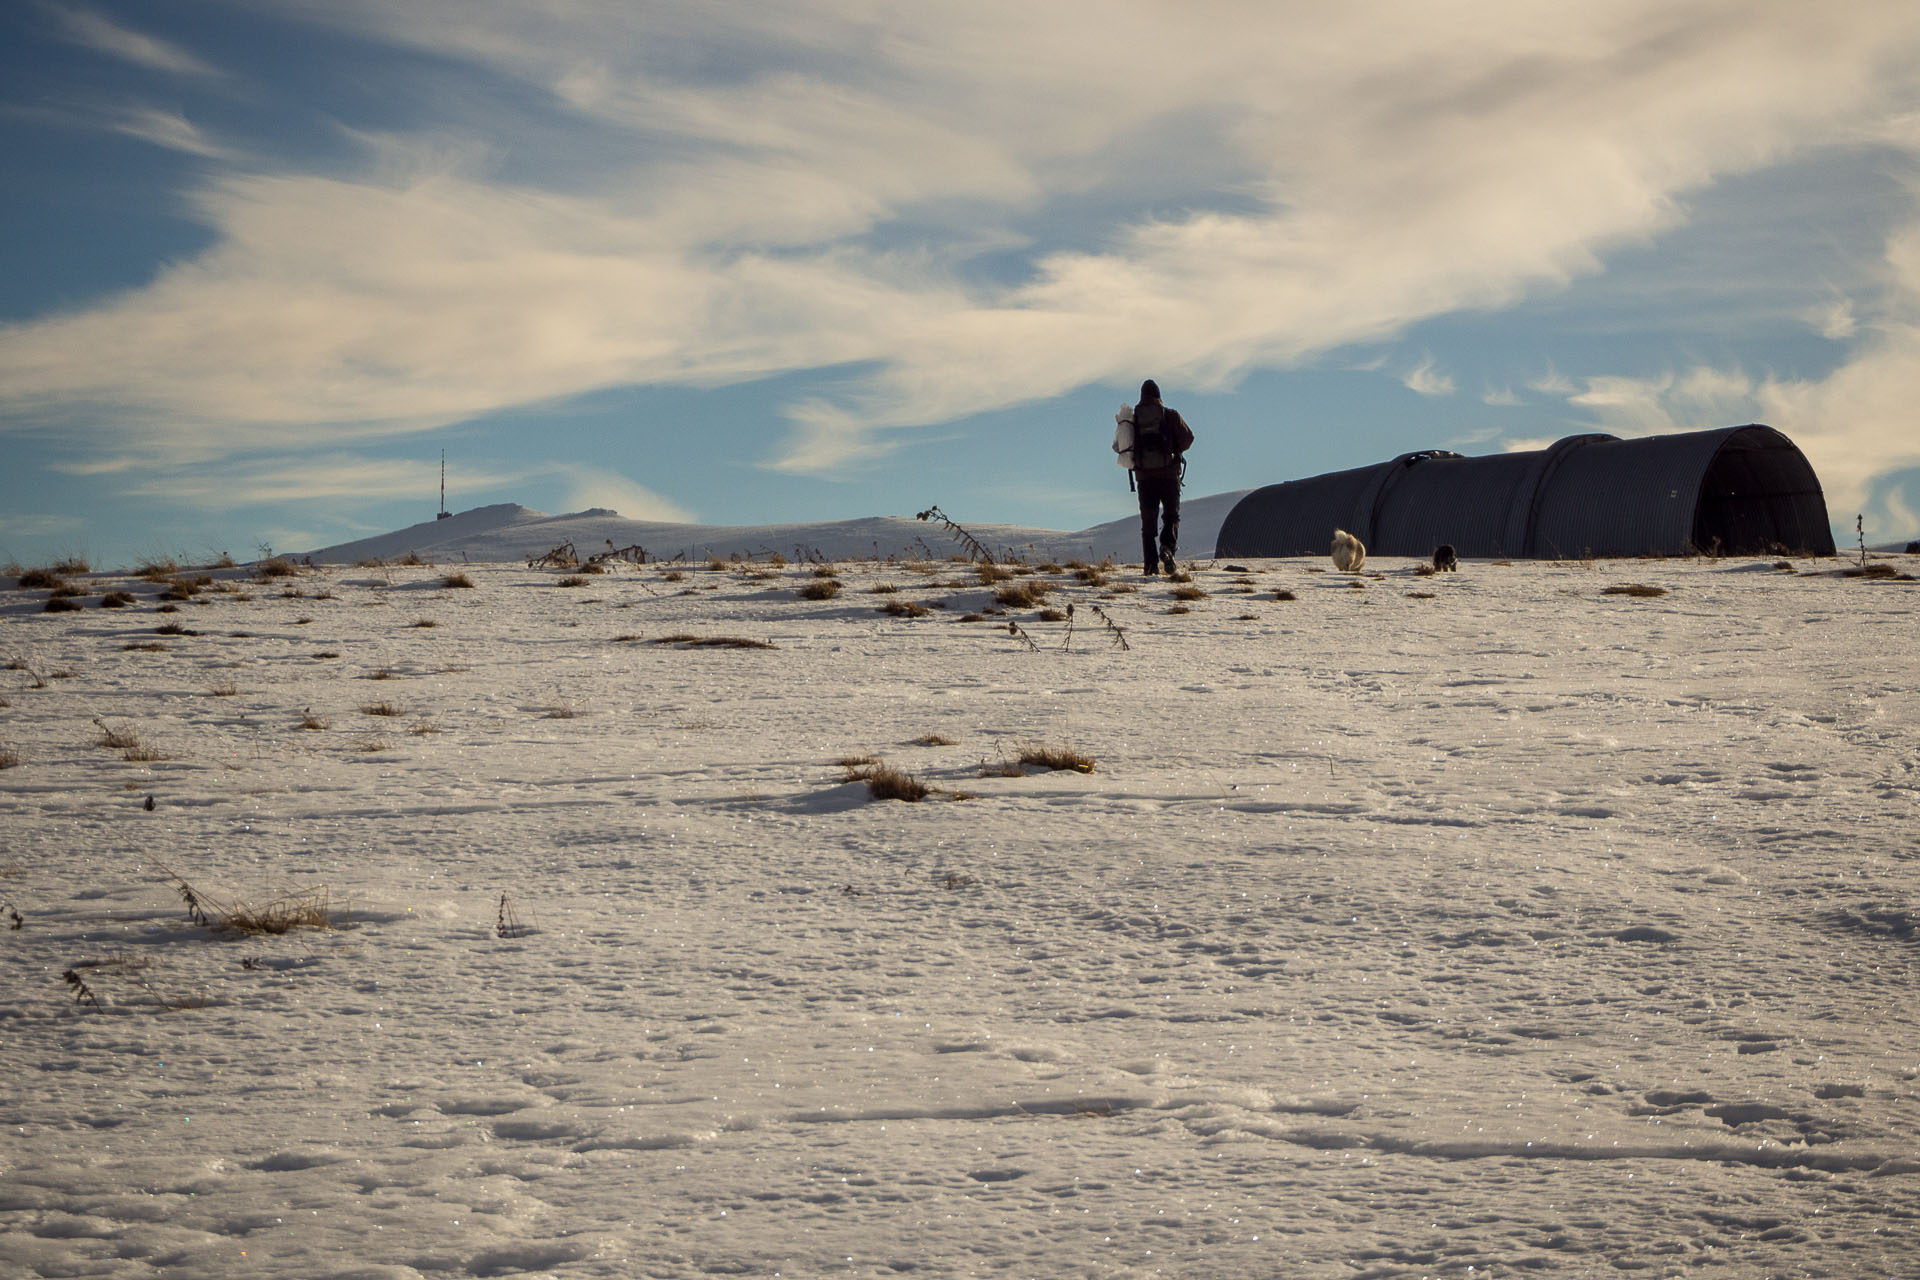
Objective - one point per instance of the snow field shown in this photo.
(1412, 925)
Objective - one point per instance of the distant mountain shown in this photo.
(507, 532)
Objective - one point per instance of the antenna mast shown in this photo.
(444, 513)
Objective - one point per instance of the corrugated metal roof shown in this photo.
(1738, 489)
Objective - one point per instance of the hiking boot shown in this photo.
(1167, 564)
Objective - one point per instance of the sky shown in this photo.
(741, 263)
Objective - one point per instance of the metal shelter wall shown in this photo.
(1738, 490)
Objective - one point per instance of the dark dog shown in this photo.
(1444, 559)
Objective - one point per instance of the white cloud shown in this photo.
(103, 35)
(1501, 396)
(1854, 424)
(1302, 179)
(1898, 518)
(1835, 320)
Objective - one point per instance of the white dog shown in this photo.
(1349, 553)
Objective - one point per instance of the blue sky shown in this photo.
(742, 263)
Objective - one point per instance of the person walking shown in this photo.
(1161, 439)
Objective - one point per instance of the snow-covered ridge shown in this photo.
(508, 532)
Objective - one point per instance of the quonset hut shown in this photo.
(1735, 491)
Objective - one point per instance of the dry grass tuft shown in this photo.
(1639, 589)
(283, 914)
(905, 609)
(1875, 571)
(687, 640)
(1189, 593)
(117, 600)
(422, 728)
(456, 580)
(1180, 608)
(820, 589)
(144, 646)
(381, 709)
(423, 623)
(311, 720)
(1046, 757)
(1025, 594)
(571, 580)
(278, 567)
(372, 744)
(9, 758)
(884, 782)
(934, 740)
(1001, 768)
(223, 689)
(990, 573)
(1284, 594)
(1054, 615)
(116, 739)
(62, 604)
(563, 711)
(39, 579)
(380, 673)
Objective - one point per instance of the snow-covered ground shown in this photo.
(1481, 924)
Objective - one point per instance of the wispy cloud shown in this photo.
(39, 526)
(598, 487)
(323, 479)
(169, 129)
(102, 34)
(1427, 379)
(96, 466)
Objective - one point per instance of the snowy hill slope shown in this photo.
(507, 532)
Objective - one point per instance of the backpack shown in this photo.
(1123, 436)
(1160, 437)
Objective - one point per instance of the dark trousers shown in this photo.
(1159, 505)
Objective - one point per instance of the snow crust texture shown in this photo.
(1476, 924)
